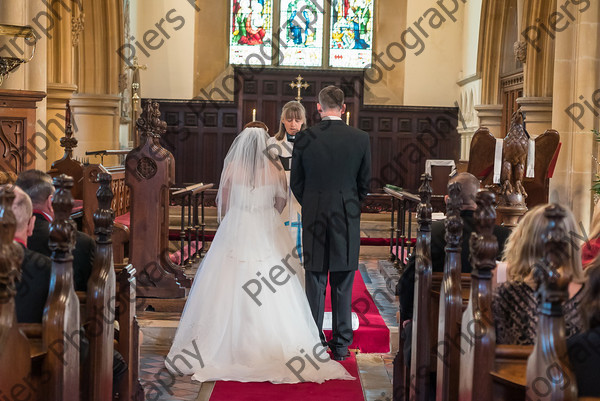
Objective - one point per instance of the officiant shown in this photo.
(280, 147)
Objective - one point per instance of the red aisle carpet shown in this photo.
(373, 335)
(330, 390)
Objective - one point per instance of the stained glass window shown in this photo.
(251, 32)
(301, 34)
(351, 33)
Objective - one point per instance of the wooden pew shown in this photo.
(130, 388)
(15, 350)
(149, 173)
(549, 375)
(478, 336)
(110, 289)
(450, 302)
(447, 296)
(67, 165)
(119, 204)
(487, 371)
(420, 351)
(100, 309)
(53, 347)
(61, 323)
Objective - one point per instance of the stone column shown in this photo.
(538, 114)
(576, 78)
(97, 119)
(490, 115)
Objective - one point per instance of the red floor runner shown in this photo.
(330, 390)
(373, 335)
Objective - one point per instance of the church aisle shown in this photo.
(375, 370)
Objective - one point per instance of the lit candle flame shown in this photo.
(253, 114)
(347, 118)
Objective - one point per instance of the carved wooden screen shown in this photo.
(17, 127)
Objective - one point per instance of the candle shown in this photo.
(253, 114)
(347, 118)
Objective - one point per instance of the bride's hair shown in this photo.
(246, 167)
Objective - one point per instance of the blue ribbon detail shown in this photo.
(297, 224)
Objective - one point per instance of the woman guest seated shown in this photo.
(592, 246)
(584, 348)
(515, 302)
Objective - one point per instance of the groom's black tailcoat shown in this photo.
(331, 170)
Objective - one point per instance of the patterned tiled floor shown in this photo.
(375, 369)
(159, 384)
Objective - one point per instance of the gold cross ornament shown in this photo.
(299, 85)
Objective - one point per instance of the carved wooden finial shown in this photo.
(453, 222)
(62, 228)
(68, 141)
(552, 285)
(483, 243)
(149, 122)
(424, 207)
(104, 215)
(11, 254)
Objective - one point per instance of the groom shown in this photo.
(331, 169)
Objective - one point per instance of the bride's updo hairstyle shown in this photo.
(257, 124)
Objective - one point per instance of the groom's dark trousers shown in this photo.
(331, 170)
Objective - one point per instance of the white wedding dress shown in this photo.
(247, 317)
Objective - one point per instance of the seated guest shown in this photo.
(38, 185)
(32, 289)
(515, 302)
(583, 347)
(591, 248)
(34, 286)
(469, 187)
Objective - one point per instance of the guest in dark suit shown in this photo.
(38, 185)
(405, 288)
(584, 348)
(331, 170)
(32, 289)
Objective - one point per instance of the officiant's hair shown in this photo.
(331, 97)
(290, 110)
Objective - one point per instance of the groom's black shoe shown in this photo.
(340, 355)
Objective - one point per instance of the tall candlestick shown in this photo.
(253, 114)
(347, 118)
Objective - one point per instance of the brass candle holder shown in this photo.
(9, 64)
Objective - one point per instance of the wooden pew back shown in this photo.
(420, 352)
(149, 173)
(120, 200)
(100, 308)
(61, 325)
(478, 336)
(549, 374)
(67, 165)
(450, 302)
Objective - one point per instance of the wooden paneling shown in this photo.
(17, 130)
(402, 137)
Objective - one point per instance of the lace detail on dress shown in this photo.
(515, 309)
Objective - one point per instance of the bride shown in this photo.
(247, 317)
